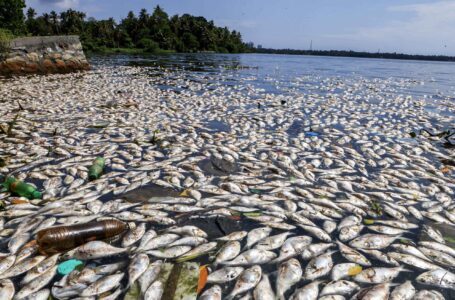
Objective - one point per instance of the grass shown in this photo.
(5, 38)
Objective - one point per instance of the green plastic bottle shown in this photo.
(97, 168)
(21, 188)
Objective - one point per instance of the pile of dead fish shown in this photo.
(356, 210)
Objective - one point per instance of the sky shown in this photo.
(404, 26)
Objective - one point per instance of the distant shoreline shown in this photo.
(341, 53)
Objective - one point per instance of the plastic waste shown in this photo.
(62, 238)
(21, 188)
(68, 266)
(97, 168)
(312, 133)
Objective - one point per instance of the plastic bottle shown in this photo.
(97, 168)
(62, 238)
(21, 188)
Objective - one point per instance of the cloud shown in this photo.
(425, 27)
(62, 4)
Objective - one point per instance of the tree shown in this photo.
(12, 15)
(72, 22)
(31, 23)
(184, 33)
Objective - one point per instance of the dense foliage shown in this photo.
(149, 32)
(355, 54)
(12, 16)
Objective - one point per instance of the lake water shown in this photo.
(433, 82)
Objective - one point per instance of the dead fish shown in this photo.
(319, 266)
(234, 236)
(404, 291)
(103, 285)
(229, 251)
(138, 265)
(343, 270)
(373, 241)
(6, 289)
(37, 283)
(293, 246)
(341, 287)
(439, 278)
(251, 257)
(201, 249)
(256, 235)
(263, 291)
(171, 252)
(353, 255)
(22, 267)
(246, 281)
(289, 273)
(213, 293)
(376, 292)
(150, 275)
(308, 292)
(133, 235)
(94, 250)
(224, 275)
(378, 275)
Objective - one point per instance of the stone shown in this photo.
(48, 66)
(44, 55)
(31, 67)
(67, 56)
(33, 57)
(55, 55)
(60, 64)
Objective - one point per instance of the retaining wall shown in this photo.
(44, 54)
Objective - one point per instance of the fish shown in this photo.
(94, 250)
(373, 241)
(137, 267)
(251, 257)
(36, 284)
(228, 252)
(289, 273)
(7, 289)
(440, 278)
(378, 275)
(149, 275)
(340, 287)
(404, 291)
(103, 285)
(172, 252)
(309, 291)
(263, 290)
(319, 266)
(256, 235)
(344, 270)
(224, 275)
(213, 293)
(247, 280)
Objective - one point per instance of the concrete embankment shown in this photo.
(41, 55)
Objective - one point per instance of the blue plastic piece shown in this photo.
(68, 266)
(312, 133)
